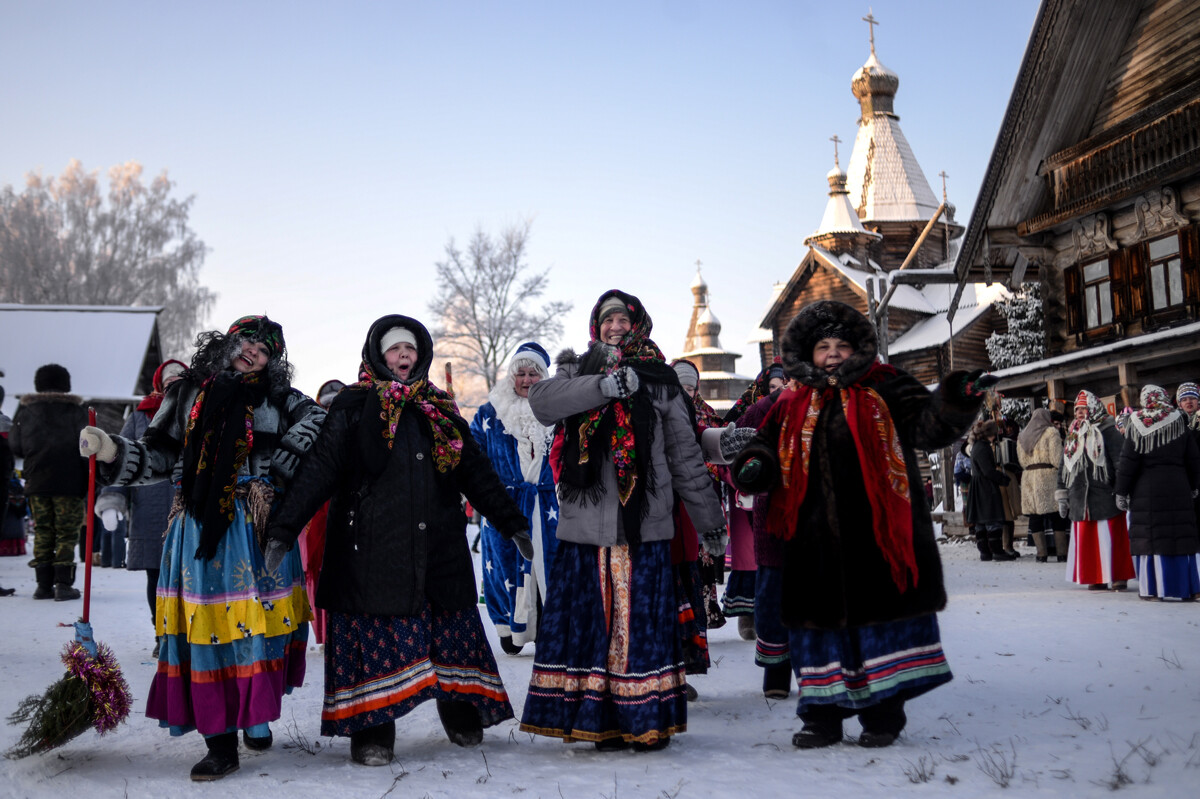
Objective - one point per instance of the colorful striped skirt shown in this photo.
(378, 668)
(773, 646)
(234, 637)
(739, 593)
(1099, 552)
(608, 663)
(1168, 576)
(861, 666)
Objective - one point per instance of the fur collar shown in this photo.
(51, 396)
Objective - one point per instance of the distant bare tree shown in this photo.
(485, 306)
(61, 243)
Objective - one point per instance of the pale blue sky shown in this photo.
(334, 147)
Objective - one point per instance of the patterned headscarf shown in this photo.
(436, 405)
(1157, 422)
(260, 329)
(1084, 440)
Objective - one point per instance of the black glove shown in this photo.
(273, 557)
(750, 470)
(524, 544)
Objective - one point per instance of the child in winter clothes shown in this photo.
(44, 432)
(862, 581)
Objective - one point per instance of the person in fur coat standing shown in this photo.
(517, 444)
(862, 580)
(1157, 480)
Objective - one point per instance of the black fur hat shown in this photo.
(52, 377)
(827, 319)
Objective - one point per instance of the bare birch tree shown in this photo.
(61, 243)
(488, 302)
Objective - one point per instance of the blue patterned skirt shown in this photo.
(608, 663)
(378, 668)
(859, 667)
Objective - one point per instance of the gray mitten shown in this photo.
(273, 557)
(714, 541)
(524, 544)
(1122, 501)
(1064, 510)
(620, 384)
(733, 439)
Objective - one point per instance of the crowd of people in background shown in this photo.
(611, 497)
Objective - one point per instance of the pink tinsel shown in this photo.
(102, 675)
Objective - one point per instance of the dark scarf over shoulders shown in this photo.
(621, 430)
(218, 437)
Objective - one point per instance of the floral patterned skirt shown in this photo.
(234, 636)
(608, 662)
(378, 668)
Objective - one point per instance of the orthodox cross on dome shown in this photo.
(836, 141)
(872, 22)
(943, 176)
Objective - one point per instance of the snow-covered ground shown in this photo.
(1057, 691)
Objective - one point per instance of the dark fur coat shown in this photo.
(835, 575)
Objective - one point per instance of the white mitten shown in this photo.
(94, 441)
(109, 519)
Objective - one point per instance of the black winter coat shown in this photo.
(1159, 484)
(834, 573)
(45, 433)
(985, 505)
(396, 540)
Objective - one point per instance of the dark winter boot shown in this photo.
(45, 581)
(746, 629)
(882, 723)
(373, 746)
(996, 545)
(777, 681)
(64, 581)
(656, 746)
(461, 722)
(822, 727)
(506, 643)
(981, 543)
(222, 758)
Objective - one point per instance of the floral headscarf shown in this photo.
(1084, 439)
(436, 405)
(1157, 422)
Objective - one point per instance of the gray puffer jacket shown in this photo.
(675, 454)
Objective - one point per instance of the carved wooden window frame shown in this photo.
(1108, 291)
(1189, 277)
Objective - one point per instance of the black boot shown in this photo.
(996, 545)
(882, 723)
(222, 758)
(373, 746)
(822, 727)
(260, 743)
(985, 552)
(506, 643)
(64, 581)
(461, 722)
(777, 680)
(45, 581)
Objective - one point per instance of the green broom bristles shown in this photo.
(57, 716)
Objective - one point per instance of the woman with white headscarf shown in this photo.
(1099, 550)
(514, 583)
(1157, 478)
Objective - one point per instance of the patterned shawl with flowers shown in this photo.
(1156, 423)
(1085, 442)
(218, 437)
(387, 399)
(880, 455)
(621, 430)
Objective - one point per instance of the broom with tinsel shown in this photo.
(93, 692)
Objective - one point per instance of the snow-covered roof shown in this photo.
(908, 297)
(1184, 331)
(884, 180)
(103, 347)
(707, 317)
(709, 351)
(762, 334)
(840, 216)
(723, 376)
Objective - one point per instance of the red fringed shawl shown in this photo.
(880, 456)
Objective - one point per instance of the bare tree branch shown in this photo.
(487, 302)
(60, 242)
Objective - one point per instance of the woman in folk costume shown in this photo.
(312, 540)
(1157, 481)
(397, 581)
(862, 580)
(517, 444)
(740, 584)
(1099, 550)
(609, 667)
(695, 575)
(231, 433)
(1040, 451)
(145, 508)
